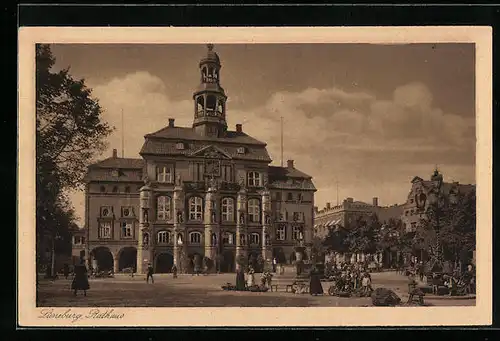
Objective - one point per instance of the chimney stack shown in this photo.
(239, 128)
(171, 122)
(290, 163)
(115, 153)
(375, 201)
(328, 206)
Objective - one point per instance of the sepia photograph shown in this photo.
(253, 174)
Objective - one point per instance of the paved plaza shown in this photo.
(205, 291)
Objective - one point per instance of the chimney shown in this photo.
(115, 153)
(171, 122)
(290, 163)
(328, 206)
(375, 201)
(239, 128)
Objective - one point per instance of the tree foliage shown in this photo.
(69, 132)
(454, 222)
(362, 237)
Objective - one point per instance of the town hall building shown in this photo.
(202, 190)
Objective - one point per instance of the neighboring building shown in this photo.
(202, 190)
(418, 198)
(345, 214)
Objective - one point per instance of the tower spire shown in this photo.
(210, 98)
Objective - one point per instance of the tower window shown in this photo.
(211, 105)
(241, 150)
(179, 146)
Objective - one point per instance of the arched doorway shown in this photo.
(279, 255)
(127, 258)
(164, 263)
(227, 261)
(102, 259)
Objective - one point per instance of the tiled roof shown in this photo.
(278, 173)
(119, 163)
(189, 134)
(106, 174)
(168, 147)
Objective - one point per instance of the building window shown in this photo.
(164, 174)
(228, 238)
(197, 171)
(126, 230)
(163, 237)
(254, 239)
(228, 209)
(299, 197)
(280, 232)
(115, 189)
(253, 210)
(104, 231)
(163, 208)
(297, 233)
(227, 173)
(78, 240)
(241, 150)
(298, 216)
(102, 189)
(127, 189)
(195, 208)
(195, 238)
(179, 145)
(253, 179)
(278, 196)
(289, 197)
(279, 216)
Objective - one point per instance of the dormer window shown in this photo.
(241, 150)
(115, 173)
(179, 146)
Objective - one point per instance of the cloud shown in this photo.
(373, 146)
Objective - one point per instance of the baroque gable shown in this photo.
(211, 152)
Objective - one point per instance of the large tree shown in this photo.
(363, 235)
(451, 226)
(69, 133)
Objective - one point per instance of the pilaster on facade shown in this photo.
(145, 239)
(266, 225)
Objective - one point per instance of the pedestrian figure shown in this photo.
(150, 274)
(250, 277)
(414, 290)
(282, 268)
(240, 280)
(274, 264)
(315, 287)
(66, 270)
(367, 284)
(80, 281)
(174, 271)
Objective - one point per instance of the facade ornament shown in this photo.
(242, 218)
(145, 215)
(145, 240)
(178, 181)
(180, 218)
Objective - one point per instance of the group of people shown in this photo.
(351, 277)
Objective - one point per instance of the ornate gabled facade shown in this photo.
(417, 201)
(200, 190)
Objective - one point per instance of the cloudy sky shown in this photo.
(368, 116)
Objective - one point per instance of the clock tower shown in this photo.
(210, 98)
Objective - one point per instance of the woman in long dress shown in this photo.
(240, 280)
(315, 287)
(80, 281)
(251, 277)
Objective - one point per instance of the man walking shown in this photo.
(274, 264)
(150, 274)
